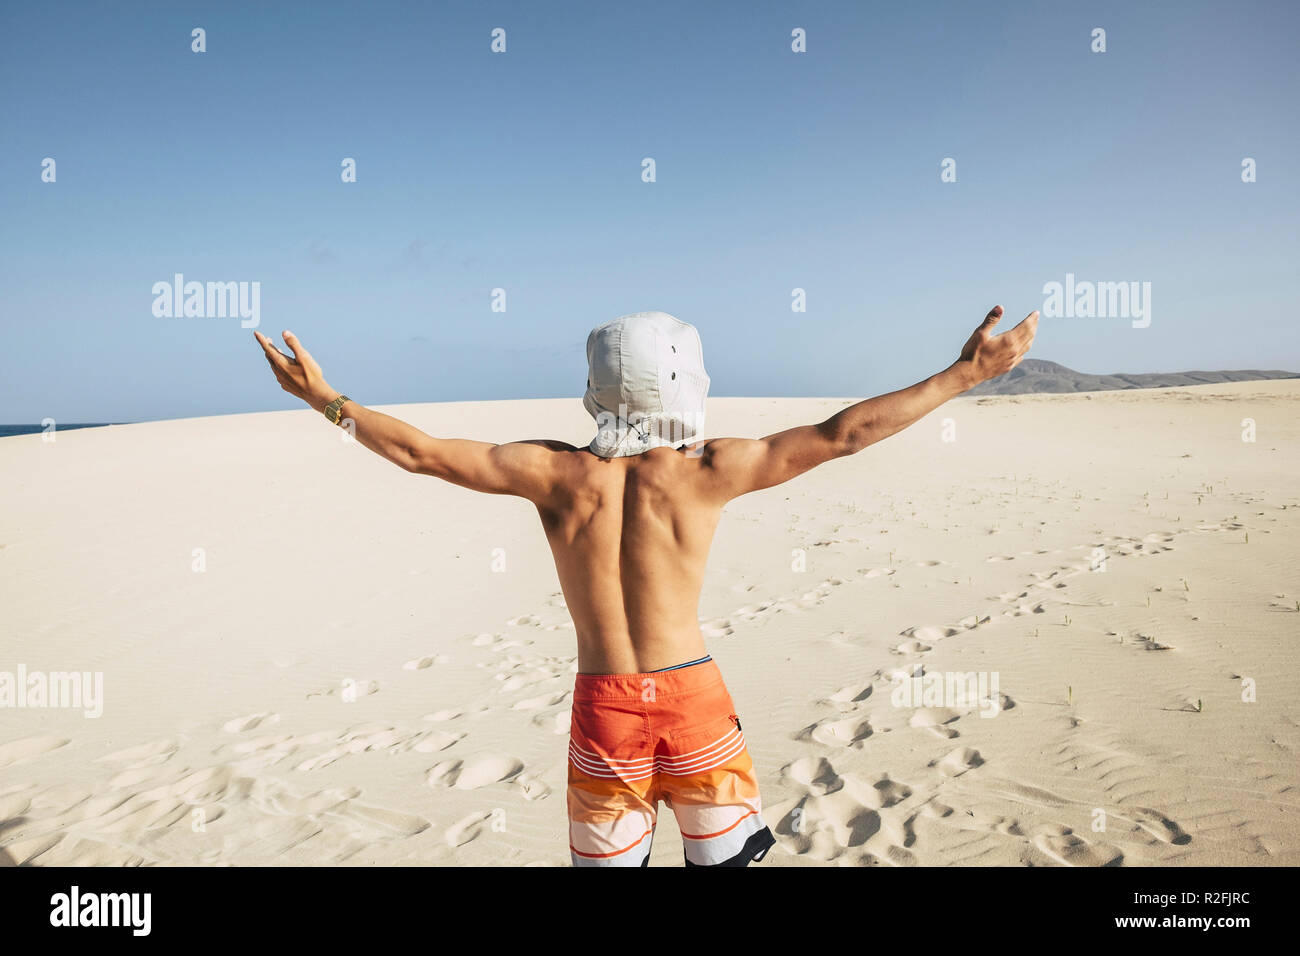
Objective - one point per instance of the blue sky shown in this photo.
(522, 170)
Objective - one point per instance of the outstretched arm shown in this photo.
(738, 465)
(527, 469)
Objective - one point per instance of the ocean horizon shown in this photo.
(7, 431)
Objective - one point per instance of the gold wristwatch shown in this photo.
(334, 410)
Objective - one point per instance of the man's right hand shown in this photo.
(737, 466)
(987, 356)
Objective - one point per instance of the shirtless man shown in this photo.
(630, 519)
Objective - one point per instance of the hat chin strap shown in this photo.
(632, 437)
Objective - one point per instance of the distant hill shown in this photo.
(1037, 375)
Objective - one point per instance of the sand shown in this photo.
(374, 668)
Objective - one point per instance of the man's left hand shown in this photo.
(300, 376)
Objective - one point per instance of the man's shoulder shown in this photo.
(716, 451)
(549, 444)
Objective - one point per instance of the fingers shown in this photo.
(291, 340)
(273, 355)
(1024, 332)
(279, 376)
(991, 319)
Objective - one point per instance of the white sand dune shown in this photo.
(375, 668)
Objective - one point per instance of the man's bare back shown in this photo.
(631, 535)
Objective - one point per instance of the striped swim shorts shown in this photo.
(670, 735)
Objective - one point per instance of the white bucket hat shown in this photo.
(646, 383)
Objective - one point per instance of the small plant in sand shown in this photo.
(1069, 694)
(1199, 707)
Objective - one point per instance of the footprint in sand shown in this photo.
(560, 722)
(1147, 643)
(322, 801)
(363, 738)
(824, 827)
(716, 629)
(1160, 826)
(438, 716)
(876, 572)
(515, 682)
(391, 823)
(470, 827)
(474, 772)
(28, 748)
(534, 788)
(262, 752)
(913, 670)
(850, 695)
(75, 827)
(958, 762)
(537, 703)
(60, 795)
(1021, 610)
(421, 663)
(145, 755)
(885, 793)
(930, 633)
(1063, 846)
(435, 741)
(498, 642)
(935, 720)
(815, 773)
(911, 647)
(936, 810)
(12, 807)
(250, 722)
(266, 742)
(847, 732)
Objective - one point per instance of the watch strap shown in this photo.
(334, 410)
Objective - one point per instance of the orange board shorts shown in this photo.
(670, 735)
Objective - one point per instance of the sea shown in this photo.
(7, 430)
